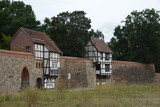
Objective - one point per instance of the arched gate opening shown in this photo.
(25, 78)
(39, 83)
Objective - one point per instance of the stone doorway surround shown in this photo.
(39, 83)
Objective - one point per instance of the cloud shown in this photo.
(107, 29)
(104, 14)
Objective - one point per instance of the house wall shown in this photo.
(20, 42)
(11, 67)
(132, 72)
(83, 73)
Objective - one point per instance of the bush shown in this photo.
(31, 96)
(62, 88)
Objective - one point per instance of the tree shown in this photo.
(139, 38)
(46, 26)
(70, 31)
(97, 35)
(15, 15)
(4, 42)
(119, 44)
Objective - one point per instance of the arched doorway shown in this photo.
(39, 83)
(25, 78)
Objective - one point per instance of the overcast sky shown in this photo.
(104, 14)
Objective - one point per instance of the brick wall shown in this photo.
(83, 75)
(11, 67)
(132, 72)
(20, 42)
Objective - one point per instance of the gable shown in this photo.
(42, 38)
(20, 41)
(101, 46)
(37, 37)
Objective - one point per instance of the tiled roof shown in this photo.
(42, 38)
(101, 45)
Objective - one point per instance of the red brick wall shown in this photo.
(15, 54)
(20, 42)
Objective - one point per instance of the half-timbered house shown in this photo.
(101, 54)
(45, 51)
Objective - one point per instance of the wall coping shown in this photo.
(16, 54)
(75, 59)
(130, 63)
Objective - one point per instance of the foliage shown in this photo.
(15, 15)
(113, 95)
(139, 38)
(46, 26)
(4, 42)
(70, 31)
(31, 96)
(62, 88)
(97, 35)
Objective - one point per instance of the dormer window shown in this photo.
(28, 48)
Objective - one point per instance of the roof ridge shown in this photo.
(100, 45)
(34, 30)
(98, 39)
(27, 34)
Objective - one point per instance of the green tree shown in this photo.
(120, 44)
(139, 38)
(15, 15)
(97, 35)
(70, 31)
(4, 42)
(46, 26)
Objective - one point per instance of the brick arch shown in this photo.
(25, 66)
(25, 81)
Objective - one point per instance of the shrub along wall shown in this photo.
(132, 72)
(78, 72)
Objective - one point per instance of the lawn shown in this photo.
(112, 95)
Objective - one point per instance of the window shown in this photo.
(107, 56)
(107, 68)
(38, 51)
(28, 48)
(39, 65)
(54, 65)
(36, 65)
(101, 56)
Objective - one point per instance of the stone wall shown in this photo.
(12, 64)
(157, 77)
(132, 72)
(83, 74)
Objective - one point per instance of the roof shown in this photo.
(41, 38)
(101, 45)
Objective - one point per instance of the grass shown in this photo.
(112, 95)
